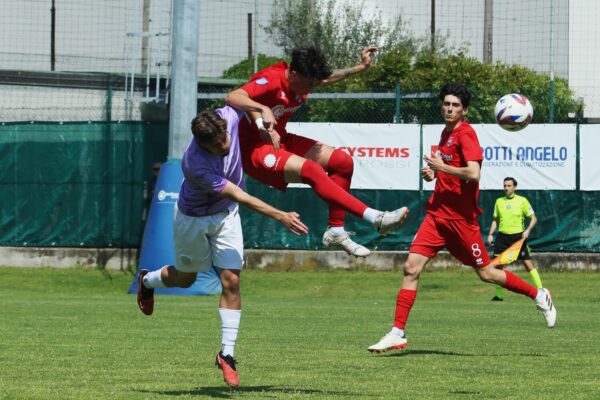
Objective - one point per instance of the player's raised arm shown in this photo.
(291, 220)
(261, 115)
(339, 74)
(241, 100)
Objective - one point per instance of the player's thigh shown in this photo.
(309, 148)
(464, 241)
(427, 241)
(320, 153)
(192, 247)
(265, 164)
(227, 242)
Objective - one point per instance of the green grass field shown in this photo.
(76, 334)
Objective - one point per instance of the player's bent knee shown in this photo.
(311, 172)
(488, 274)
(411, 270)
(187, 282)
(340, 162)
(230, 281)
(185, 279)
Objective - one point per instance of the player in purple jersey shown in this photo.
(207, 227)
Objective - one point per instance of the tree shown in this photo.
(340, 30)
(245, 69)
(406, 60)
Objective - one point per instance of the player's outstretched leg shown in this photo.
(227, 365)
(312, 174)
(543, 302)
(145, 296)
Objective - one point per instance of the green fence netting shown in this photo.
(76, 184)
(567, 220)
(83, 185)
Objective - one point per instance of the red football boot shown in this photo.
(227, 365)
(145, 296)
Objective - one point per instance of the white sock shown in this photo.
(230, 325)
(370, 215)
(336, 230)
(153, 279)
(397, 331)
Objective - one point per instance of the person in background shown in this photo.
(510, 212)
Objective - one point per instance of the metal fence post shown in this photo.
(109, 95)
(551, 105)
(397, 115)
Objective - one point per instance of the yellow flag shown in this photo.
(509, 255)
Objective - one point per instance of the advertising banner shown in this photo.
(589, 166)
(540, 157)
(386, 156)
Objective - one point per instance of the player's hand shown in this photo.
(525, 234)
(291, 220)
(269, 120)
(434, 162)
(427, 174)
(366, 55)
(270, 136)
(490, 239)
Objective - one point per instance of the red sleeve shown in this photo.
(264, 84)
(470, 147)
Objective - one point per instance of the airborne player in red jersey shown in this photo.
(273, 156)
(451, 219)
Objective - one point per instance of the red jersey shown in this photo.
(270, 87)
(453, 197)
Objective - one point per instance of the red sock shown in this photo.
(340, 168)
(404, 302)
(518, 285)
(312, 174)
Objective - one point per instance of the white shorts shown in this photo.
(204, 242)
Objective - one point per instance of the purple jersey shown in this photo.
(206, 174)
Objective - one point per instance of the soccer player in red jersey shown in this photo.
(273, 156)
(451, 219)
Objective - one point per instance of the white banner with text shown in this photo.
(386, 156)
(589, 165)
(540, 157)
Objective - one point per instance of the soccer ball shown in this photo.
(513, 112)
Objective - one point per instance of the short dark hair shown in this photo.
(207, 126)
(310, 62)
(510, 178)
(458, 90)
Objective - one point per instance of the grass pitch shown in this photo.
(76, 334)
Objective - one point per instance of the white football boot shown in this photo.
(388, 220)
(342, 241)
(389, 342)
(545, 305)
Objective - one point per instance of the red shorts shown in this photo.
(262, 162)
(461, 237)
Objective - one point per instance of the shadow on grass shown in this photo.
(225, 392)
(406, 353)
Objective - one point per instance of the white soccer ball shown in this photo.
(513, 112)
